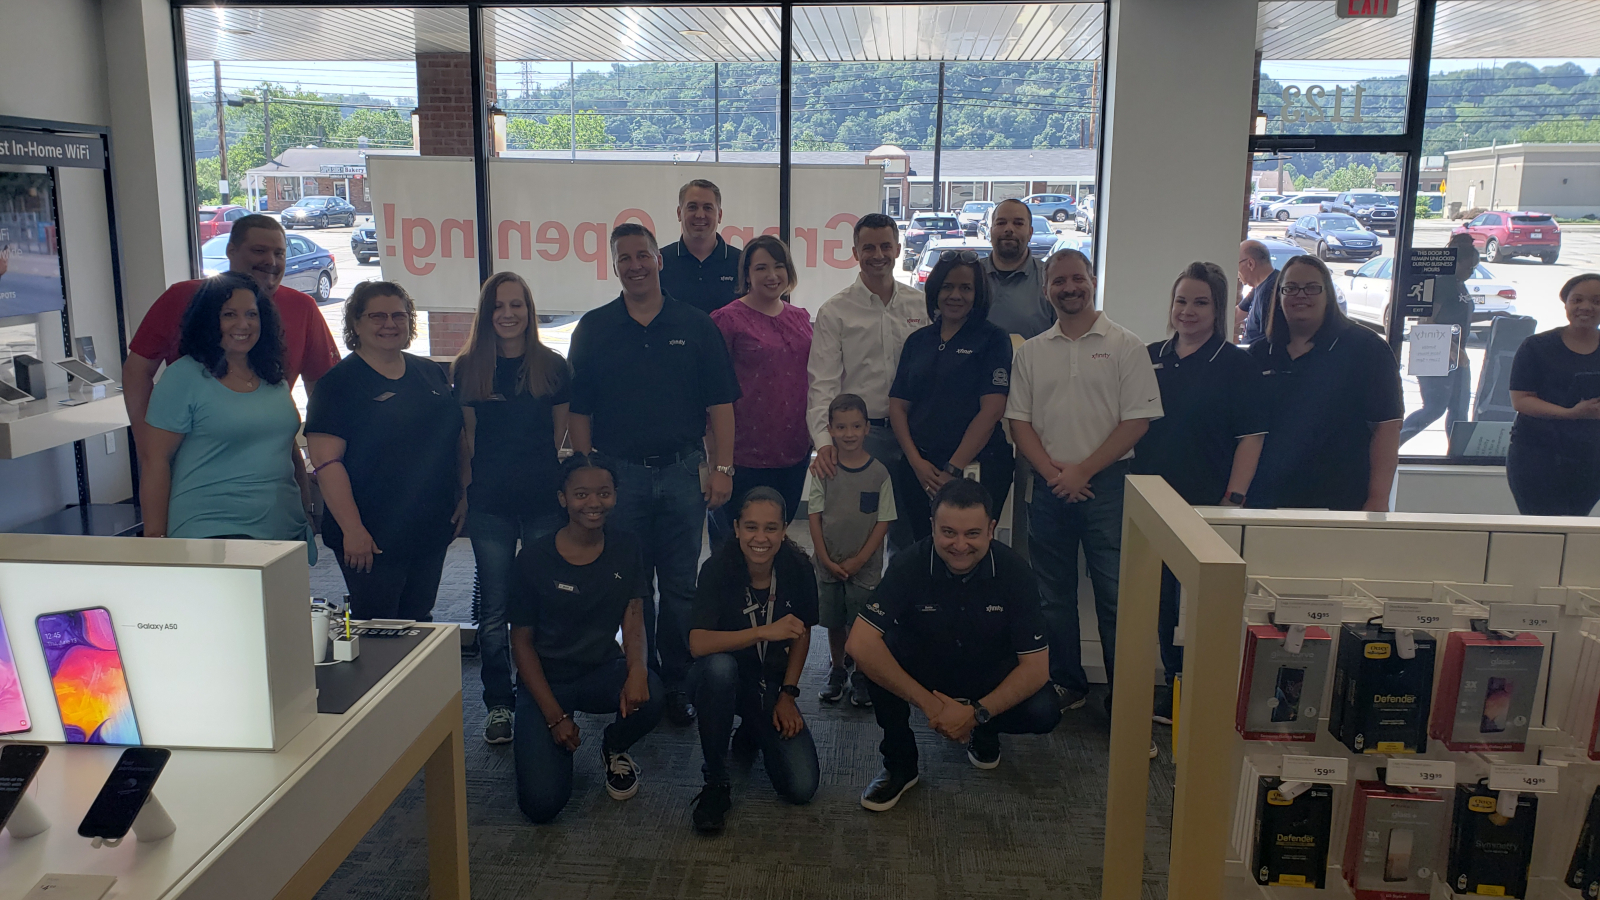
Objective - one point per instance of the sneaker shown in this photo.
(497, 730)
(885, 790)
(622, 775)
(679, 710)
(860, 698)
(1162, 713)
(1071, 699)
(711, 807)
(983, 753)
(1153, 751)
(835, 689)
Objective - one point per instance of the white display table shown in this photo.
(42, 424)
(273, 825)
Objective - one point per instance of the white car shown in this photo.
(1299, 205)
(972, 213)
(1367, 291)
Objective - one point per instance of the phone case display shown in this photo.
(18, 764)
(1584, 871)
(85, 666)
(1292, 833)
(124, 793)
(1280, 693)
(1396, 841)
(1490, 853)
(1486, 691)
(1381, 699)
(13, 706)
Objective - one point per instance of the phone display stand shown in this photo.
(27, 820)
(151, 825)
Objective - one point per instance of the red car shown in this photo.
(215, 220)
(1502, 235)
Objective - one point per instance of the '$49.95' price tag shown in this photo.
(1538, 779)
(1308, 612)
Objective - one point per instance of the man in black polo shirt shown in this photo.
(954, 627)
(700, 268)
(647, 372)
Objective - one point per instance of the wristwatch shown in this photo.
(792, 690)
(979, 714)
(726, 470)
(952, 470)
(1236, 497)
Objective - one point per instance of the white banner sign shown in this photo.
(552, 219)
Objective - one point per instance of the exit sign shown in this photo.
(1366, 9)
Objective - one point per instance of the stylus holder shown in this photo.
(346, 649)
(27, 820)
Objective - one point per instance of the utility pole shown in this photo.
(938, 143)
(222, 133)
(716, 112)
(266, 118)
(572, 90)
(1094, 90)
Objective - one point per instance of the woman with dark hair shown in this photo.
(1208, 440)
(514, 393)
(950, 392)
(386, 442)
(1553, 463)
(220, 460)
(1333, 402)
(754, 610)
(769, 340)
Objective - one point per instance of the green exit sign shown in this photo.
(1366, 9)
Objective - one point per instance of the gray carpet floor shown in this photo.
(1032, 828)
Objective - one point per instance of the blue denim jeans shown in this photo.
(544, 768)
(663, 507)
(789, 482)
(721, 691)
(1056, 529)
(494, 546)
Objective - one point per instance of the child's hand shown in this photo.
(851, 566)
(837, 570)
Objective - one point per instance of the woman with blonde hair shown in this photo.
(513, 395)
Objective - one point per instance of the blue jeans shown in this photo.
(721, 691)
(1056, 529)
(1442, 395)
(494, 545)
(544, 768)
(789, 482)
(663, 507)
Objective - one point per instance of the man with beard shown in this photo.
(1082, 394)
(1017, 301)
(700, 268)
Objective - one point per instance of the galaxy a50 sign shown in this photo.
(552, 219)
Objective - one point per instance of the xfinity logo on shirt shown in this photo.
(1099, 356)
(964, 352)
(993, 608)
(678, 343)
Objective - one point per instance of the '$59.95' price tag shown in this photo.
(1407, 614)
(1323, 769)
(1538, 779)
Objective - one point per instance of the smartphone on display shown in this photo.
(18, 764)
(13, 706)
(124, 793)
(1496, 705)
(10, 393)
(80, 370)
(85, 666)
(1291, 682)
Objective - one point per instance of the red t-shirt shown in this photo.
(308, 344)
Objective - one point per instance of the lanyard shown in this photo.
(750, 610)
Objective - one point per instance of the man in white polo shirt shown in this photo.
(1082, 394)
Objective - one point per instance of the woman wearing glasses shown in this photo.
(387, 446)
(950, 392)
(1333, 402)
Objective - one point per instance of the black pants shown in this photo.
(401, 585)
(1038, 714)
(1442, 395)
(789, 482)
(914, 506)
(1167, 625)
(1548, 482)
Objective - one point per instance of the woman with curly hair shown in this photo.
(220, 458)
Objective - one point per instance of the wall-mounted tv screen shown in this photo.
(30, 252)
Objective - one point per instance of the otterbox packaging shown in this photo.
(1280, 693)
(1584, 872)
(1486, 691)
(1396, 841)
(1291, 847)
(1489, 853)
(1380, 699)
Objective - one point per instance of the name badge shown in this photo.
(928, 608)
(1158, 365)
(383, 396)
(570, 588)
(749, 609)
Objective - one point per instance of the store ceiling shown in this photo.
(1465, 29)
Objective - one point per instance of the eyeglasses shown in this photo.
(966, 256)
(378, 318)
(1308, 290)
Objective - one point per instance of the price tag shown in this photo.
(1323, 769)
(1308, 612)
(1523, 617)
(1420, 773)
(1537, 779)
(1406, 614)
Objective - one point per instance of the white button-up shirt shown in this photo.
(1074, 392)
(855, 348)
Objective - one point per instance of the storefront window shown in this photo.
(1321, 74)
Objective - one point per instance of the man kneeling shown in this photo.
(954, 628)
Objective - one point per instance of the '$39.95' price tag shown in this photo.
(1420, 773)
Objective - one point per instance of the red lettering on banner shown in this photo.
(830, 247)
(596, 255)
(412, 229)
(770, 229)
(809, 235)
(744, 233)
(462, 227)
(636, 215)
(554, 233)
(522, 229)
(388, 227)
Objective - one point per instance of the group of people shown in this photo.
(701, 390)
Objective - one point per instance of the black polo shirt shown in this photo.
(1547, 368)
(1209, 399)
(1320, 412)
(944, 382)
(706, 284)
(646, 388)
(514, 464)
(724, 601)
(575, 611)
(960, 634)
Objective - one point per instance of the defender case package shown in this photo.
(1583, 873)
(1486, 691)
(1489, 853)
(1291, 845)
(1396, 840)
(1280, 693)
(1381, 700)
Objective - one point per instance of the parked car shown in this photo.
(364, 242)
(318, 212)
(1056, 207)
(972, 214)
(1298, 205)
(215, 220)
(1333, 236)
(1083, 243)
(930, 256)
(307, 267)
(1502, 235)
(1084, 220)
(924, 226)
(1260, 202)
(1373, 210)
(1368, 290)
(1043, 237)
(1281, 251)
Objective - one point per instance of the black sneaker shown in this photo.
(1071, 699)
(497, 728)
(679, 710)
(983, 751)
(622, 775)
(1163, 705)
(859, 696)
(885, 790)
(835, 689)
(711, 807)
